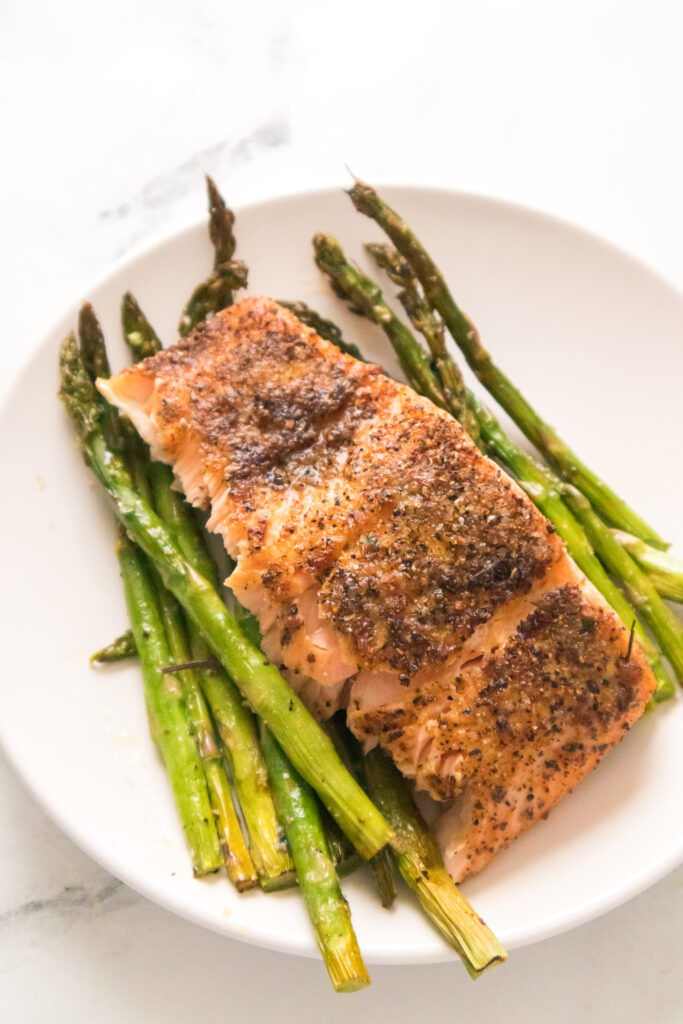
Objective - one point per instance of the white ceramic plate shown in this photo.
(593, 338)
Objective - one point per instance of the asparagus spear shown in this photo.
(93, 349)
(383, 877)
(424, 321)
(418, 857)
(325, 328)
(140, 336)
(118, 430)
(238, 731)
(420, 863)
(228, 274)
(238, 863)
(341, 851)
(216, 292)
(369, 302)
(610, 506)
(328, 910)
(94, 353)
(343, 855)
(118, 650)
(221, 223)
(235, 723)
(544, 489)
(309, 749)
(168, 723)
(664, 624)
(665, 570)
(350, 754)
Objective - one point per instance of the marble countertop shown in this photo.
(111, 114)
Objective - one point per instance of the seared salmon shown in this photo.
(395, 571)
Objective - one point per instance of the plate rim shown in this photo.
(258, 936)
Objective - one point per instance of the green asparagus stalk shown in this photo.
(342, 852)
(216, 292)
(424, 320)
(142, 342)
(168, 723)
(118, 650)
(234, 721)
(325, 328)
(94, 353)
(328, 910)
(665, 570)
(383, 877)
(420, 863)
(544, 489)
(141, 338)
(119, 433)
(343, 855)
(664, 624)
(309, 749)
(178, 517)
(249, 624)
(93, 349)
(228, 275)
(221, 224)
(351, 756)
(238, 731)
(367, 300)
(336, 840)
(566, 463)
(238, 863)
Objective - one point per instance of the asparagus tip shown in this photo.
(221, 223)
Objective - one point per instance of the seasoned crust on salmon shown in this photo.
(390, 564)
(519, 727)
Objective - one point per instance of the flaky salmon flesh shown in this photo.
(395, 571)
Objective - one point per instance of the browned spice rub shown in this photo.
(517, 729)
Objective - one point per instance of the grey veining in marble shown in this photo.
(36, 922)
(147, 210)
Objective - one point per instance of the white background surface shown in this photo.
(109, 115)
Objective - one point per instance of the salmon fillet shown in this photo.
(395, 571)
